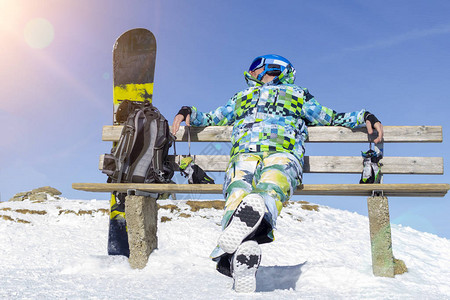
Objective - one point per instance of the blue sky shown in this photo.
(390, 57)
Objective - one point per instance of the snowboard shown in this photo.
(134, 56)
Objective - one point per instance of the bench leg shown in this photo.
(141, 214)
(380, 236)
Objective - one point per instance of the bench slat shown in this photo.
(341, 164)
(332, 134)
(335, 164)
(397, 190)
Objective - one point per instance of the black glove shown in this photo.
(184, 111)
(371, 118)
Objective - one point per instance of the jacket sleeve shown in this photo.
(318, 115)
(221, 116)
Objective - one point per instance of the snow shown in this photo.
(49, 251)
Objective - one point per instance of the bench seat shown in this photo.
(395, 190)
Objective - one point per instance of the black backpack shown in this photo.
(141, 155)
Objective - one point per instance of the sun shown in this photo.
(21, 20)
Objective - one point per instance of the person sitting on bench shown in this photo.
(270, 120)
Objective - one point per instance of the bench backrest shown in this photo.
(322, 164)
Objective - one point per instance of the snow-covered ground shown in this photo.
(57, 249)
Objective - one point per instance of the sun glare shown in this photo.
(39, 33)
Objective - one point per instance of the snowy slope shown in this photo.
(57, 249)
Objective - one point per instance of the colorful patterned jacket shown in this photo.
(273, 116)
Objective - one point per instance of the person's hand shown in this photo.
(378, 127)
(177, 121)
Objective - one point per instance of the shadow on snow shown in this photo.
(273, 278)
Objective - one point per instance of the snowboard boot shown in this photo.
(246, 261)
(245, 220)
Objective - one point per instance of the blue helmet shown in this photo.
(273, 65)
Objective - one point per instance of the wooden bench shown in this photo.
(141, 208)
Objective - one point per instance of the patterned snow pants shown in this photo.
(274, 176)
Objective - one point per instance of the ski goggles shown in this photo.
(272, 64)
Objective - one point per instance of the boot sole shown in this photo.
(246, 261)
(245, 220)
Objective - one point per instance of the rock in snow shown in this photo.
(39, 194)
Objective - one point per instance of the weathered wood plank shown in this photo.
(392, 134)
(397, 190)
(333, 164)
(390, 165)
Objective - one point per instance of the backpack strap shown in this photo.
(189, 139)
(149, 130)
(125, 144)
